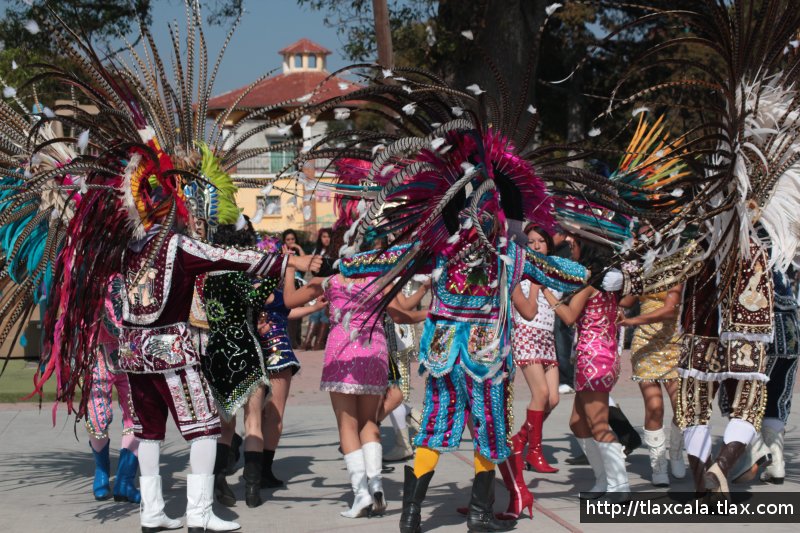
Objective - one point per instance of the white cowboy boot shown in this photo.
(151, 508)
(199, 498)
(592, 452)
(362, 503)
(657, 443)
(619, 490)
(776, 472)
(676, 464)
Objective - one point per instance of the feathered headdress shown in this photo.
(741, 80)
(141, 137)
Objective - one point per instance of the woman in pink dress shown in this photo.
(597, 366)
(356, 374)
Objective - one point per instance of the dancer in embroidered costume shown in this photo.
(144, 147)
(748, 181)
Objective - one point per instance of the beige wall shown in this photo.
(291, 213)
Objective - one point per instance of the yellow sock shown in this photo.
(425, 461)
(482, 464)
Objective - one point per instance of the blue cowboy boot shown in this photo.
(124, 488)
(102, 466)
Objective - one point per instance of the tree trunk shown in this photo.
(383, 33)
(508, 32)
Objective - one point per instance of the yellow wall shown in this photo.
(291, 213)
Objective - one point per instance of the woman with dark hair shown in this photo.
(655, 354)
(533, 345)
(597, 366)
(355, 373)
(290, 243)
(318, 321)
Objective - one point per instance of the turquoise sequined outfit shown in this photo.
(465, 345)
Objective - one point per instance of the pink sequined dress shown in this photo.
(356, 356)
(596, 359)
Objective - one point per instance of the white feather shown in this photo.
(407, 89)
(410, 109)
(83, 140)
(341, 113)
(32, 27)
(305, 97)
(258, 216)
(241, 222)
(284, 130)
(14, 65)
(437, 142)
(468, 34)
(457, 111)
(454, 239)
(532, 110)
(475, 89)
(594, 132)
(677, 192)
(467, 224)
(552, 8)
(430, 36)
(9, 92)
(343, 86)
(387, 73)
(639, 110)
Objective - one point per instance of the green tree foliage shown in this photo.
(574, 50)
(107, 23)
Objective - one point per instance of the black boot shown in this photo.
(268, 479)
(481, 518)
(716, 478)
(252, 478)
(222, 492)
(234, 453)
(626, 434)
(414, 490)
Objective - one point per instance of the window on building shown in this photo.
(269, 205)
(298, 61)
(312, 61)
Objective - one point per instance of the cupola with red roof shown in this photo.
(302, 73)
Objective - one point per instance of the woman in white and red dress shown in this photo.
(533, 346)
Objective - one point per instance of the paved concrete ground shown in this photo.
(45, 475)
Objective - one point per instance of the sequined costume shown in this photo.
(156, 349)
(469, 366)
(726, 343)
(596, 357)
(275, 344)
(782, 353)
(356, 356)
(655, 348)
(105, 377)
(532, 341)
(234, 363)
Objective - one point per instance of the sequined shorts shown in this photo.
(451, 398)
(183, 393)
(533, 345)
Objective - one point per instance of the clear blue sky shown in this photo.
(267, 26)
